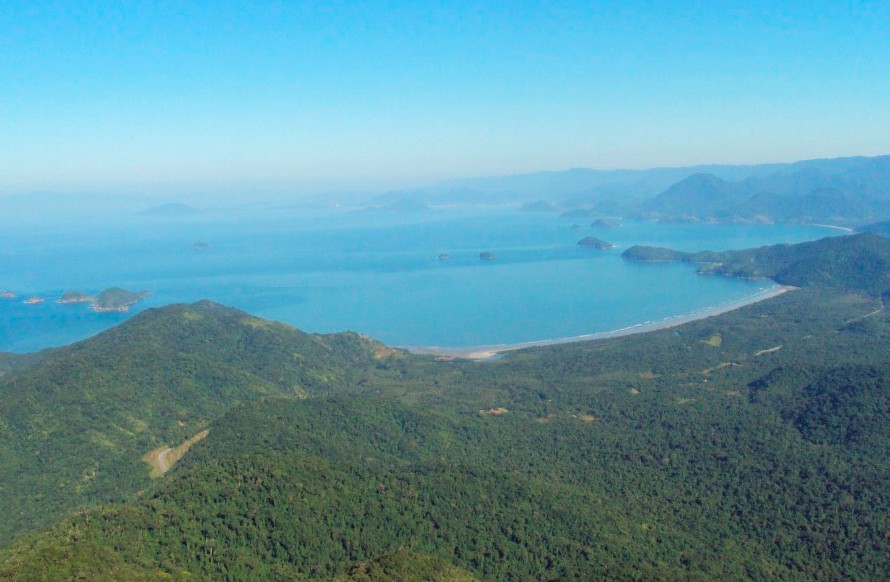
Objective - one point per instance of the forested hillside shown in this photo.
(752, 445)
(854, 263)
(74, 427)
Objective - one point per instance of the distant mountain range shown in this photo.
(851, 192)
(846, 191)
(568, 187)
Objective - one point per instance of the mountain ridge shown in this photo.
(585, 187)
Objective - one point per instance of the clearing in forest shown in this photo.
(162, 459)
(715, 341)
(493, 412)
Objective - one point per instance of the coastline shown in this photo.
(836, 227)
(489, 352)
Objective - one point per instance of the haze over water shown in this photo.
(375, 273)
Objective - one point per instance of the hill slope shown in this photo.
(851, 263)
(74, 427)
(639, 457)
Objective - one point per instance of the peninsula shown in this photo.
(852, 262)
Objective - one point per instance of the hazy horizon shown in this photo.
(260, 191)
(173, 97)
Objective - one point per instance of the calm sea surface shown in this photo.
(375, 273)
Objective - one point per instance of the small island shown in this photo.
(443, 257)
(34, 300)
(76, 297)
(487, 256)
(116, 299)
(591, 242)
(7, 295)
(604, 223)
(576, 227)
(201, 246)
(647, 254)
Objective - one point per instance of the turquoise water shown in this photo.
(372, 273)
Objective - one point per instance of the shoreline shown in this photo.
(835, 227)
(489, 352)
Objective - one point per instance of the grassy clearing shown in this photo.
(715, 341)
(162, 459)
(493, 412)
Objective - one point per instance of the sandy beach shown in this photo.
(492, 351)
(836, 227)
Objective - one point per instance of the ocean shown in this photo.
(376, 273)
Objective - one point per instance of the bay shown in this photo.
(374, 273)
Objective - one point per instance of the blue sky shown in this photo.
(312, 96)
